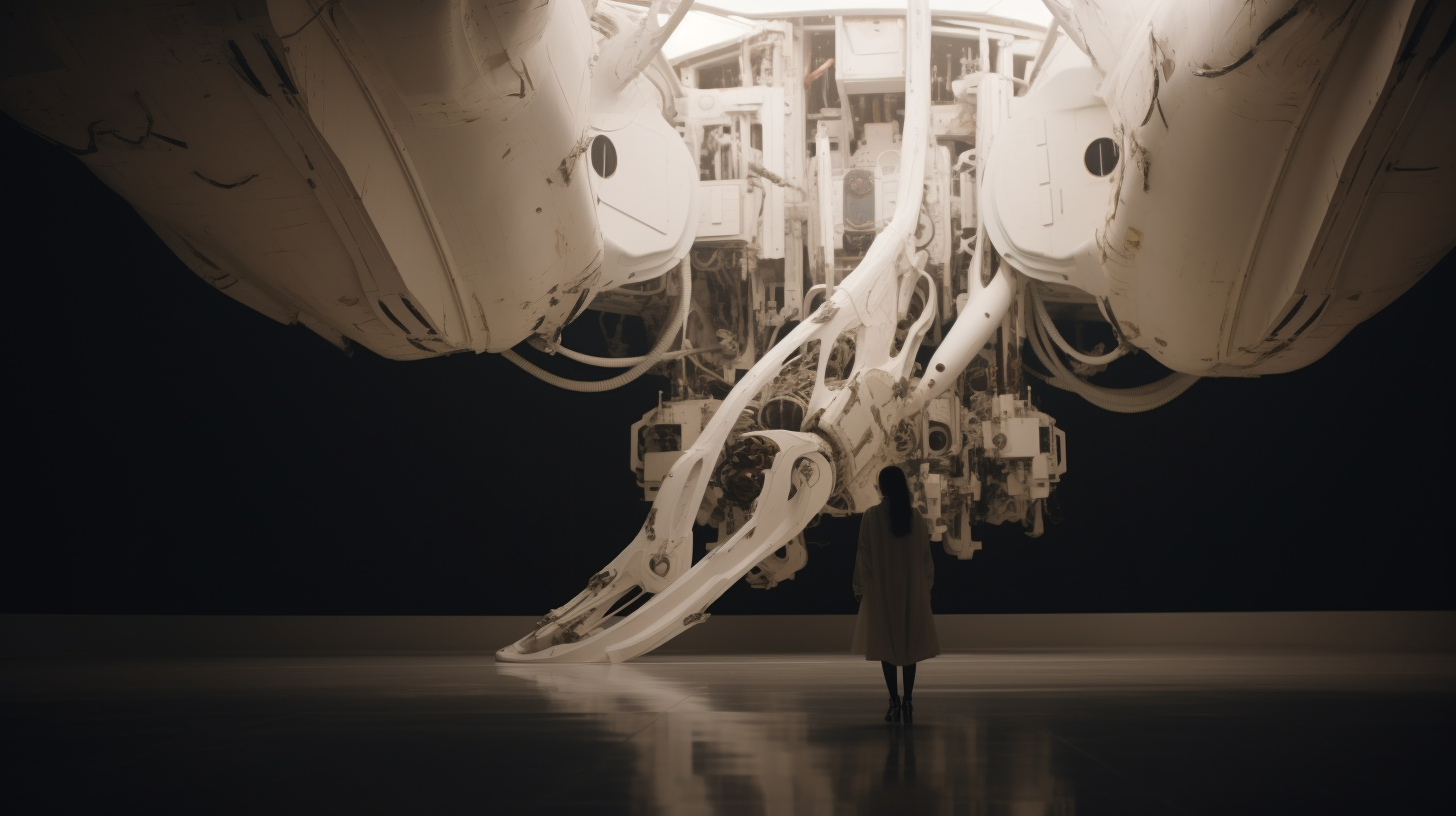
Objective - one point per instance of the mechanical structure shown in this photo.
(860, 233)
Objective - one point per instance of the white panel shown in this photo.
(870, 55)
(867, 37)
(639, 186)
(721, 214)
(772, 118)
(1020, 438)
(656, 465)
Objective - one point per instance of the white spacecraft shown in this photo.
(846, 223)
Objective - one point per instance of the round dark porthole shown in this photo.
(604, 156)
(1101, 156)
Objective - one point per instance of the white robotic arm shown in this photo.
(853, 429)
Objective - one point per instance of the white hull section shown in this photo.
(416, 183)
(1283, 174)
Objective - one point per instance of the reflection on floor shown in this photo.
(1063, 733)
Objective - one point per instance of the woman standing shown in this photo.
(893, 573)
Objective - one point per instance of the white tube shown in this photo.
(1066, 18)
(628, 362)
(646, 51)
(825, 170)
(1056, 337)
(665, 339)
(1044, 52)
(916, 139)
(1120, 400)
(814, 290)
(972, 330)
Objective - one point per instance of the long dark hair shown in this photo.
(897, 497)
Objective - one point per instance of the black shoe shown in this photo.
(893, 715)
(907, 711)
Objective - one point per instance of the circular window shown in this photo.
(1100, 158)
(604, 156)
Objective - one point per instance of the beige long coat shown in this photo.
(893, 576)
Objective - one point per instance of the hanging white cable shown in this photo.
(808, 297)
(628, 362)
(1056, 336)
(1120, 400)
(1157, 394)
(664, 340)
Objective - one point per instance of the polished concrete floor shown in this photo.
(1020, 734)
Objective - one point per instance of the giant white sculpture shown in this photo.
(797, 204)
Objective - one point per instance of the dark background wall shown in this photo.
(171, 451)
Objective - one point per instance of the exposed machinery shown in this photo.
(861, 235)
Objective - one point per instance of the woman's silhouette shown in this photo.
(893, 573)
